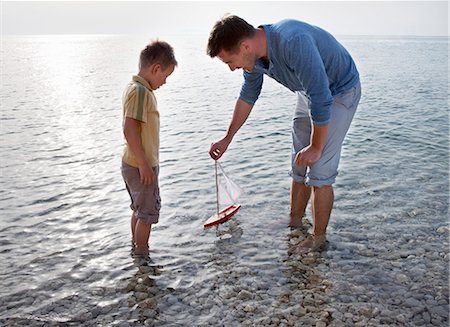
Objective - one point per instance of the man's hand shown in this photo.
(218, 149)
(308, 156)
(147, 176)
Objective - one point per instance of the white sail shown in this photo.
(228, 190)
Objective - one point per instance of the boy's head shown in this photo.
(227, 35)
(156, 62)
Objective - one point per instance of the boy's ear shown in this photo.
(156, 68)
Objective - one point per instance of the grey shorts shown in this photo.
(324, 171)
(145, 199)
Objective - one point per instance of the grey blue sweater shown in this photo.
(303, 58)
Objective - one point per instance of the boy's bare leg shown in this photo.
(142, 234)
(133, 227)
(300, 194)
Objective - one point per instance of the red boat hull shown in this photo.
(223, 216)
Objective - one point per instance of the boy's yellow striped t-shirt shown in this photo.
(139, 103)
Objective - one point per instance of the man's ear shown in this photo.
(244, 45)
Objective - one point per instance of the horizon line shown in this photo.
(200, 34)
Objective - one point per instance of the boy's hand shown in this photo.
(147, 176)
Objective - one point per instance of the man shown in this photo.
(310, 62)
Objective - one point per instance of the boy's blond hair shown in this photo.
(157, 52)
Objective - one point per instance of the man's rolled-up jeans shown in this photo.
(324, 171)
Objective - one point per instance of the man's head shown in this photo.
(227, 35)
(156, 62)
(230, 40)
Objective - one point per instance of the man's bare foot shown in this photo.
(310, 244)
(296, 220)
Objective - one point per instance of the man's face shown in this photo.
(244, 59)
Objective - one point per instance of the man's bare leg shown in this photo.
(322, 204)
(300, 194)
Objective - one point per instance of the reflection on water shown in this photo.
(64, 226)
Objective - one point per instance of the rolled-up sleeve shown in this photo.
(251, 88)
(303, 57)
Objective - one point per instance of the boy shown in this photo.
(140, 160)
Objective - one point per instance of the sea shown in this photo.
(65, 241)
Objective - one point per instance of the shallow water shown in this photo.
(64, 229)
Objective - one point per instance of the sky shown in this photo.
(421, 18)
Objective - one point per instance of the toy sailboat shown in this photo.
(227, 192)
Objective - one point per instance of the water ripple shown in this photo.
(65, 235)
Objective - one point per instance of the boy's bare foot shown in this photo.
(141, 250)
(310, 244)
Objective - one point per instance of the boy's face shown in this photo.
(158, 75)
